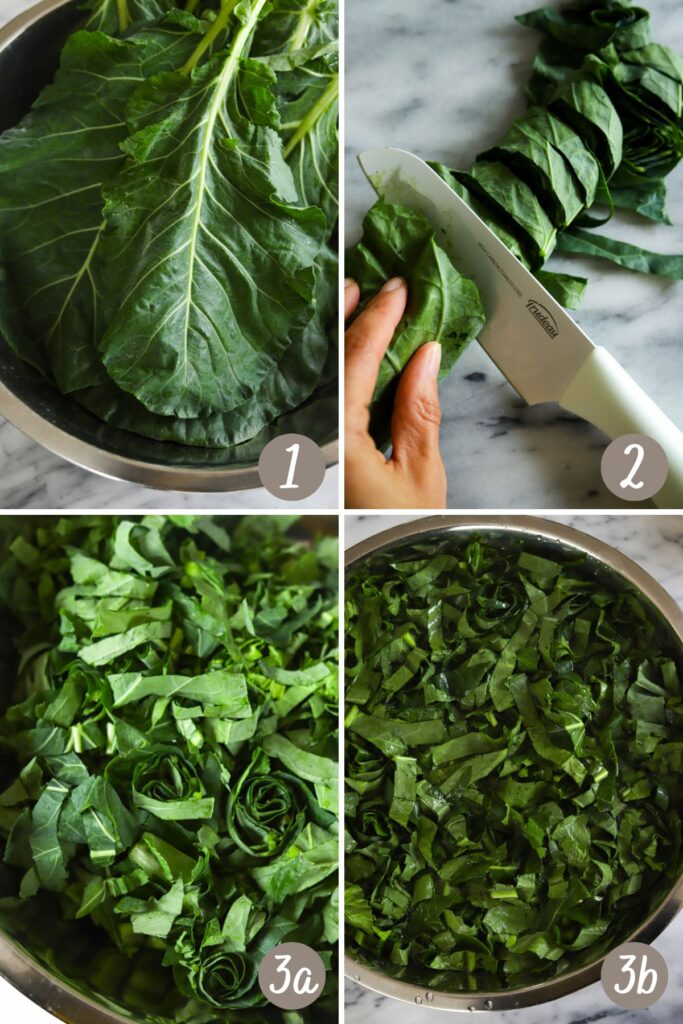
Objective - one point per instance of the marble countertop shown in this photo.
(444, 78)
(34, 478)
(656, 543)
(16, 1007)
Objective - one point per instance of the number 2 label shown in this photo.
(640, 455)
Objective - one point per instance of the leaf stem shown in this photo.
(211, 36)
(308, 123)
(191, 6)
(306, 23)
(125, 20)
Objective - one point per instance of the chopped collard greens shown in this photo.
(514, 748)
(168, 757)
(603, 129)
(168, 219)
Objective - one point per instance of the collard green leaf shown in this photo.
(443, 305)
(295, 25)
(286, 388)
(567, 289)
(633, 257)
(51, 224)
(649, 200)
(48, 854)
(220, 689)
(535, 160)
(214, 232)
(589, 25)
(587, 107)
(308, 89)
(515, 202)
(650, 107)
(569, 143)
(654, 55)
(116, 17)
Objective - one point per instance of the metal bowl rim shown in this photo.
(625, 567)
(52, 994)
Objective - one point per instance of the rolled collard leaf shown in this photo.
(543, 168)
(589, 109)
(516, 203)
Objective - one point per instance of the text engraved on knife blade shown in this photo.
(539, 312)
(544, 317)
(500, 269)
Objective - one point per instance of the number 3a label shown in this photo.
(292, 976)
(302, 984)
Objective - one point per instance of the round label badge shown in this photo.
(292, 976)
(292, 467)
(634, 467)
(634, 976)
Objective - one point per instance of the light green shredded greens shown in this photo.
(168, 757)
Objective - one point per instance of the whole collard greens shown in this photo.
(603, 129)
(514, 745)
(168, 211)
(168, 757)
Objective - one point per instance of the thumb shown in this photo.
(417, 413)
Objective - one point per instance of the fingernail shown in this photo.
(394, 284)
(432, 361)
(349, 283)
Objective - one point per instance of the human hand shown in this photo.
(414, 476)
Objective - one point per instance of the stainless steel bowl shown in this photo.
(57, 997)
(607, 562)
(29, 53)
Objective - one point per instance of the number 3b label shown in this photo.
(635, 976)
(292, 976)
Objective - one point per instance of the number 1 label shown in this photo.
(289, 485)
(297, 459)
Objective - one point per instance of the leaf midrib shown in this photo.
(223, 83)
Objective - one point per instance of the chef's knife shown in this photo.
(529, 336)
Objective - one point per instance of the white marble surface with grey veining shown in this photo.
(656, 543)
(444, 78)
(32, 477)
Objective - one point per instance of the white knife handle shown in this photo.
(603, 393)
